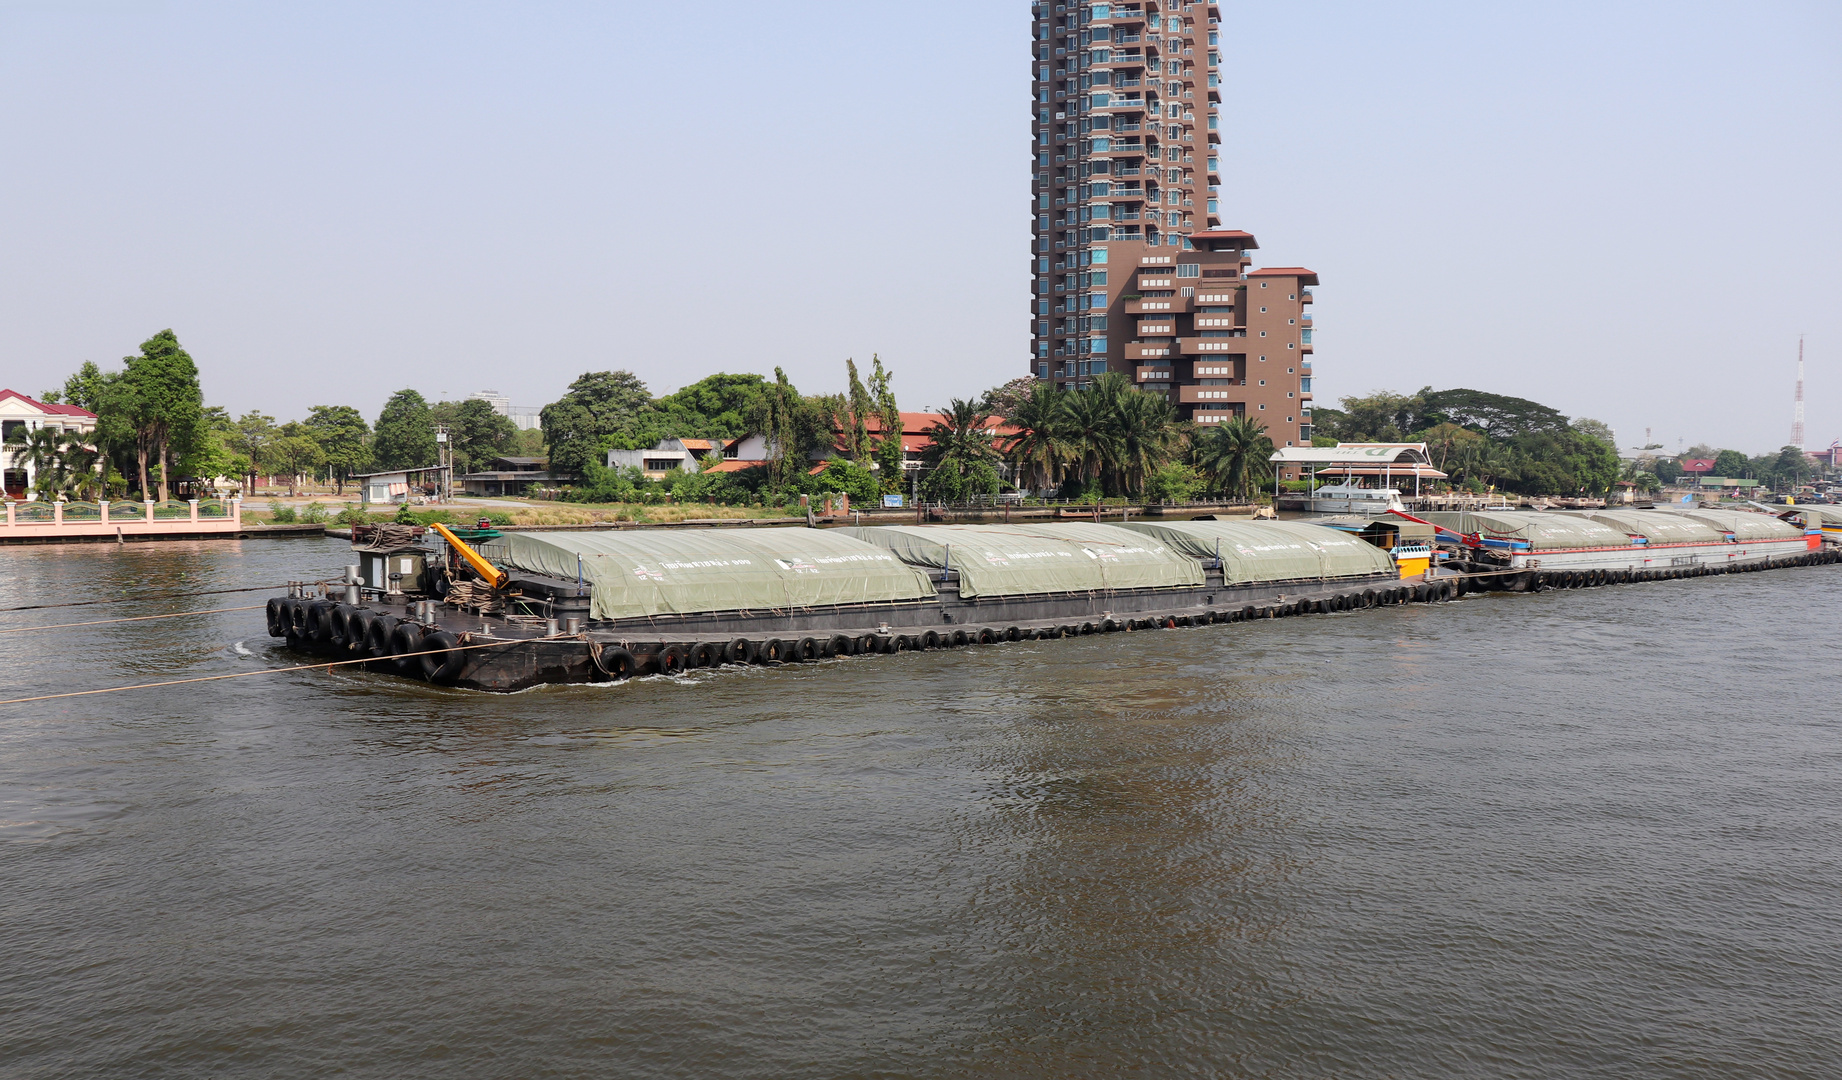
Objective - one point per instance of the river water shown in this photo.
(1583, 834)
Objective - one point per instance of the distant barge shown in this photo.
(491, 611)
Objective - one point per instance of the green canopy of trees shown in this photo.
(599, 406)
(405, 437)
(344, 439)
(1484, 440)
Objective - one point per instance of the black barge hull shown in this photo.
(452, 647)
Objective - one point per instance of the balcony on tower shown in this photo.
(1139, 351)
(1162, 305)
(1226, 396)
(1214, 346)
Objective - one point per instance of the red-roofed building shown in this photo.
(19, 417)
(1699, 466)
(915, 433)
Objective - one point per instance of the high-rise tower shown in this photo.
(1797, 408)
(1133, 272)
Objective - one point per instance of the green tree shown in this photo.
(1732, 464)
(344, 439)
(1495, 415)
(1444, 442)
(891, 458)
(1091, 438)
(405, 433)
(159, 399)
(855, 419)
(295, 454)
(1598, 429)
(46, 451)
(855, 480)
(84, 389)
(794, 427)
(958, 442)
(579, 425)
(715, 407)
(1380, 417)
(1173, 483)
(215, 453)
(476, 433)
(1787, 469)
(254, 431)
(1037, 449)
(1235, 454)
(1330, 423)
(1147, 436)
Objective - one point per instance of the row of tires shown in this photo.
(1588, 579)
(411, 649)
(363, 634)
(673, 658)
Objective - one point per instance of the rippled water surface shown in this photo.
(1585, 834)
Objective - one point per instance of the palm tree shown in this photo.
(1235, 453)
(59, 460)
(1090, 434)
(1148, 436)
(1039, 448)
(962, 439)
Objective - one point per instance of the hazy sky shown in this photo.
(1625, 210)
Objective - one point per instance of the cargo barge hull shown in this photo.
(422, 639)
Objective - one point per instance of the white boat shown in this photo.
(1350, 499)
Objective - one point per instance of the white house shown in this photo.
(20, 415)
(687, 455)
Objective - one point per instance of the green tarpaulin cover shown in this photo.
(684, 571)
(1658, 526)
(1253, 551)
(1025, 560)
(1543, 531)
(1746, 525)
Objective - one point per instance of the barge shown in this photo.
(1527, 549)
(492, 611)
(522, 609)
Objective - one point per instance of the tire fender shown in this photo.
(444, 666)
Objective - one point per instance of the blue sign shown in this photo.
(892, 502)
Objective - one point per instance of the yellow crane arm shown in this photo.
(493, 576)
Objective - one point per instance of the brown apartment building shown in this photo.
(1133, 271)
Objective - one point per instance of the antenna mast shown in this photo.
(1797, 410)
